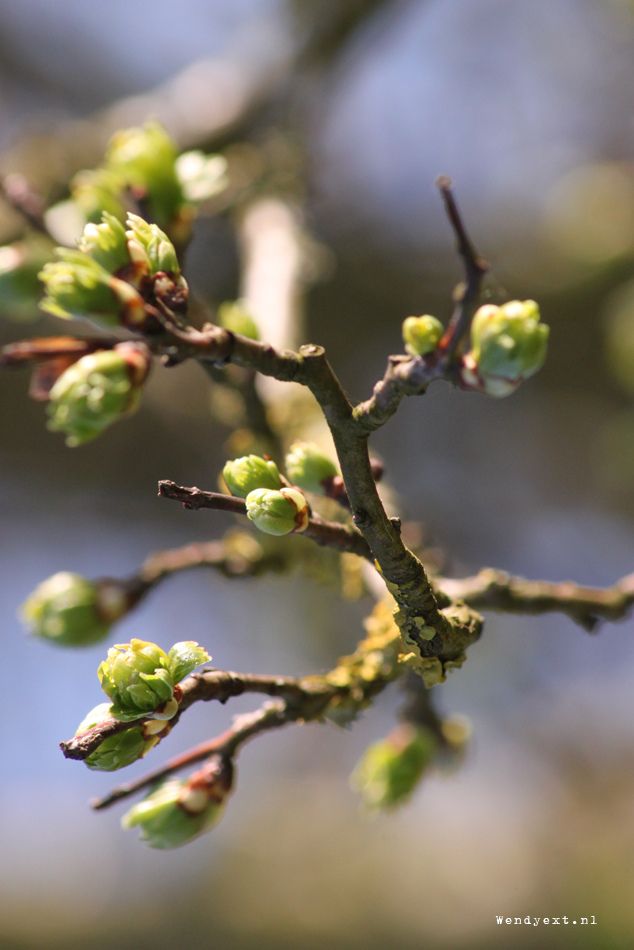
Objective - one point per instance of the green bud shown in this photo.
(139, 677)
(421, 334)
(508, 345)
(150, 247)
(78, 286)
(120, 749)
(277, 512)
(144, 159)
(106, 243)
(244, 475)
(96, 191)
(178, 811)
(20, 265)
(201, 176)
(308, 467)
(171, 816)
(389, 770)
(96, 391)
(233, 315)
(68, 609)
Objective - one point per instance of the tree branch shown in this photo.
(419, 617)
(426, 629)
(419, 707)
(328, 533)
(475, 268)
(340, 694)
(411, 375)
(231, 557)
(404, 376)
(45, 348)
(205, 686)
(348, 687)
(22, 197)
(215, 554)
(269, 716)
(498, 590)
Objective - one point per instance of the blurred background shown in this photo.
(529, 108)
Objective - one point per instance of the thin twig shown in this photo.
(23, 198)
(411, 375)
(404, 376)
(498, 590)
(270, 716)
(475, 268)
(419, 709)
(216, 554)
(402, 571)
(41, 349)
(327, 533)
(346, 690)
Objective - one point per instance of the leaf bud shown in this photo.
(245, 474)
(122, 748)
(309, 467)
(390, 770)
(278, 512)
(106, 243)
(69, 610)
(178, 811)
(77, 285)
(96, 390)
(508, 345)
(144, 159)
(421, 334)
(150, 248)
(97, 190)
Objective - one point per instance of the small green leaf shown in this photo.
(185, 657)
(160, 682)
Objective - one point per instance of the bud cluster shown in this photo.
(272, 504)
(140, 678)
(273, 507)
(142, 169)
(142, 682)
(113, 273)
(122, 748)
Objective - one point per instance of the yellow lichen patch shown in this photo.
(374, 662)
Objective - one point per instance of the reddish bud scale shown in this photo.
(174, 294)
(138, 360)
(215, 779)
(134, 273)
